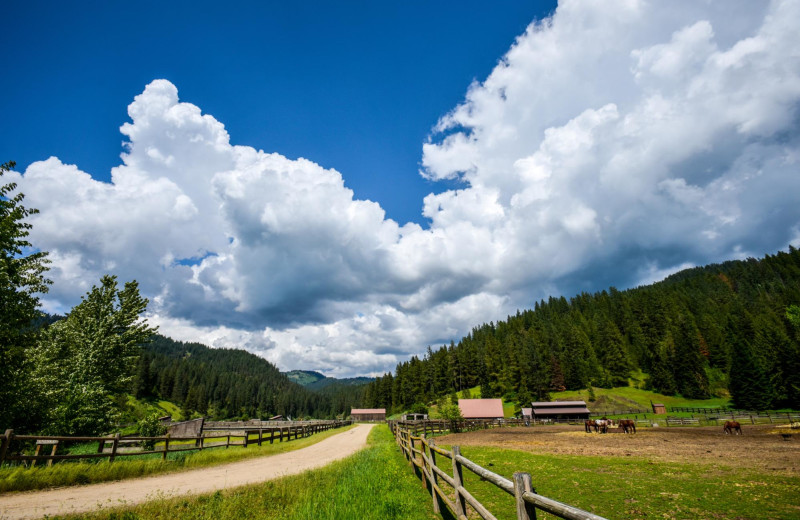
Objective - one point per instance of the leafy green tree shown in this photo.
(22, 277)
(89, 357)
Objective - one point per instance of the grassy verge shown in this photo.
(20, 478)
(637, 487)
(376, 483)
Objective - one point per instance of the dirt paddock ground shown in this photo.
(760, 446)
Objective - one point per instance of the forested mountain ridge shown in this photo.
(229, 383)
(700, 332)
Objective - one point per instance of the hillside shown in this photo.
(304, 377)
(229, 383)
(714, 331)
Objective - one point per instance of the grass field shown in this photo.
(374, 484)
(633, 487)
(20, 478)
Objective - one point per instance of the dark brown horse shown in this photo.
(732, 427)
(627, 425)
(589, 425)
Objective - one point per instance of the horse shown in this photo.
(628, 425)
(732, 427)
(589, 425)
(603, 424)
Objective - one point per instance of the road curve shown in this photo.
(78, 499)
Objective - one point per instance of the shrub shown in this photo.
(150, 426)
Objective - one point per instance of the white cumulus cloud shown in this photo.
(614, 143)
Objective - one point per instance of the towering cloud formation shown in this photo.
(613, 144)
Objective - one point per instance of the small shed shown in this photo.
(481, 408)
(368, 414)
(415, 417)
(527, 413)
(560, 410)
(659, 409)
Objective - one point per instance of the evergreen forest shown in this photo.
(723, 329)
(226, 383)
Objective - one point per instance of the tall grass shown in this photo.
(374, 484)
(20, 478)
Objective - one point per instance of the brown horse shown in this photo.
(732, 427)
(589, 425)
(627, 425)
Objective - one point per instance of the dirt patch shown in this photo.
(759, 447)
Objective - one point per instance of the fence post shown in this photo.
(522, 483)
(166, 447)
(458, 480)
(260, 434)
(434, 476)
(4, 444)
(228, 441)
(114, 445)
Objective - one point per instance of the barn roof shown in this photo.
(558, 404)
(475, 408)
(368, 410)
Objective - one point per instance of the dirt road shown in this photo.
(37, 504)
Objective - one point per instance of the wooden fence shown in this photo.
(116, 446)
(422, 453)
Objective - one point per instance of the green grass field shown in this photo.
(375, 484)
(637, 487)
(20, 478)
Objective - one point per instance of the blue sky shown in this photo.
(336, 187)
(354, 86)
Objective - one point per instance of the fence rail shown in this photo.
(135, 445)
(422, 453)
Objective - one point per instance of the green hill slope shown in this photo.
(709, 332)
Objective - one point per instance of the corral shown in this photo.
(761, 446)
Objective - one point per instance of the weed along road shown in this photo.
(36, 504)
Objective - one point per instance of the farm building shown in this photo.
(481, 408)
(415, 417)
(368, 414)
(560, 410)
(659, 409)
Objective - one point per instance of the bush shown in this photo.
(150, 426)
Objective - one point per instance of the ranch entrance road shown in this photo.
(78, 499)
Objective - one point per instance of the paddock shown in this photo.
(761, 446)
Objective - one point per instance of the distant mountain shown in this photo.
(333, 382)
(316, 381)
(304, 377)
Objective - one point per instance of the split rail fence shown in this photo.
(423, 454)
(13, 447)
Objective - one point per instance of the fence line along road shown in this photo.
(12, 446)
(422, 453)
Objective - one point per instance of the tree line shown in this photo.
(708, 331)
